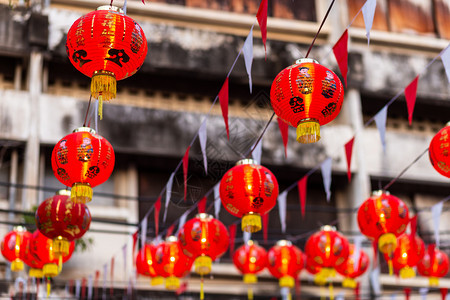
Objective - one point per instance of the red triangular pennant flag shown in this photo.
(185, 170)
(170, 230)
(135, 237)
(223, 99)
(261, 15)
(407, 293)
(444, 293)
(302, 193)
(357, 293)
(410, 95)
(97, 276)
(348, 155)
(265, 223)
(284, 127)
(111, 287)
(201, 205)
(182, 288)
(157, 208)
(83, 287)
(232, 231)
(340, 50)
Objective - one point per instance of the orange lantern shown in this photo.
(439, 151)
(204, 239)
(407, 254)
(285, 263)
(62, 220)
(355, 266)
(14, 245)
(328, 249)
(82, 160)
(171, 263)
(382, 218)
(434, 265)
(247, 191)
(107, 46)
(307, 95)
(145, 264)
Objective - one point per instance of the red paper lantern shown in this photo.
(106, 45)
(247, 191)
(171, 263)
(285, 262)
(82, 160)
(14, 245)
(250, 259)
(407, 254)
(62, 220)
(328, 249)
(434, 265)
(382, 218)
(40, 250)
(439, 151)
(355, 266)
(145, 264)
(307, 95)
(204, 239)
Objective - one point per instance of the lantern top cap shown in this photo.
(251, 243)
(448, 123)
(63, 192)
(19, 229)
(246, 161)
(84, 129)
(171, 238)
(306, 60)
(204, 216)
(110, 7)
(284, 243)
(380, 192)
(328, 228)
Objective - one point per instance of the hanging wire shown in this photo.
(87, 111)
(320, 27)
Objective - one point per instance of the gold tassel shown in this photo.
(103, 88)
(251, 222)
(202, 294)
(250, 293)
(81, 193)
(330, 288)
(49, 287)
(308, 131)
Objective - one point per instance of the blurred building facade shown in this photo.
(157, 112)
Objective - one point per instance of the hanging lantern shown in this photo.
(33, 261)
(145, 264)
(107, 46)
(382, 218)
(171, 263)
(247, 191)
(62, 220)
(307, 95)
(204, 239)
(41, 248)
(355, 266)
(434, 265)
(328, 249)
(439, 151)
(409, 251)
(13, 247)
(285, 261)
(82, 160)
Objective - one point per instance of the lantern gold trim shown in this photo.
(246, 161)
(50, 270)
(202, 265)
(349, 283)
(36, 273)
(287, 281)
(308, 131)
(157, 280)
(16, 265)
(250, 278)
(251, 222)
(172, 283)
(407, 272)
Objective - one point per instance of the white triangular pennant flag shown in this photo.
(340, 296)
(423, 292)
(96, 116)
(375, 280)
(77, 288)
(247, 49)
(326, 176)
(217, 202)
(368, 11)
(357, 242)
(168, 194)
(393, 296)
(436, 211)
(202, 136)
(105, 276)
(90, 289)
(182, 221)
(446, 61)
(282, 210)
(380, 120)
(124, 257)
(246, 236)
(144, 231)
(257, 152)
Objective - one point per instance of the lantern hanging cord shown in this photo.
(260, 137)
(87, 111)
(320, 27)
(404, 170)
